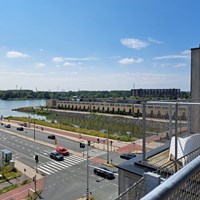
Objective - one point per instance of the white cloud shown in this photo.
(40, 65)
(134, 43)
(179, 65)
(171, 57)
(58, 59)
(16, 54)
(186, 52)
(183, 55)
(154, 40)
(69, 64)
(127, 61)
(80, 59)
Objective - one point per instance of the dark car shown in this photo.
(127, 156)
(56, 156)
(7, 126)
(104, 172)
(52, 137)
(20, 128)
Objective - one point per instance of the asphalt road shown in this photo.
(66, 179)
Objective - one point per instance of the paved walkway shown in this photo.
(25, 190)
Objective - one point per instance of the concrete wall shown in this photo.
(195, 89)
(126, 180)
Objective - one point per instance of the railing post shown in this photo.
(144, 130)
(170, 122)
(152, 180)
(176, 137)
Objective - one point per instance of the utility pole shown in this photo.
(108, 144)
(144, 130)
(87, 189)
(34, 125)
(34, 180)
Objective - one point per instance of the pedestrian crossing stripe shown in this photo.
(55, 166)
(61, 166)
(52, 169)
(64, 164)
(44, 171)
(71, 161)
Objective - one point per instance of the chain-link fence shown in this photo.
(183, 185)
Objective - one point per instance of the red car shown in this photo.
(62, 151)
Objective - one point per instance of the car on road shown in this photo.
(52, 137)
(7, 126)
(56, 156)
(62, 151)
(104, 172)
(20, 128)
(127, 156)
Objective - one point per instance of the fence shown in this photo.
(182, 185)
(183, 120)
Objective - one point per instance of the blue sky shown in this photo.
(62, 45)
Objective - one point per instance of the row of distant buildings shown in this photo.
(161, 111)
(161, 93)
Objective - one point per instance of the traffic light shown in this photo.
(82, 145)
(88, 142)
(36, 159)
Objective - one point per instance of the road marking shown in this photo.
(50, 164)
(48, 167)
(45, 169)
(70, 161)
(65, 164)
(61, 166)
(55, 166)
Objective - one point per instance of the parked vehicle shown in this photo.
(7, 126)
(52, 137)
(56, 156)
(127, 156)
(62, 151)
(20, 128)
(104, 172)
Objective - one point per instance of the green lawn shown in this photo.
(11, 174)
